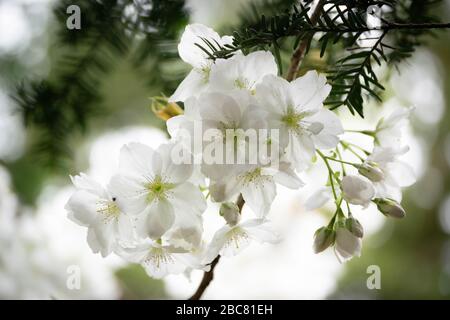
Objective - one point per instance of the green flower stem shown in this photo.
(349, 147)
(366, 132)
(330, 174)
(347, 144)
(349, 212)
(342, 162)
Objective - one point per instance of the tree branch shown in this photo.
(299, 53)
(209, 276)
(206, 280)
(388, 26)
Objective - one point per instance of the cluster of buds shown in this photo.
(345, 234)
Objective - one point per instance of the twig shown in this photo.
(209, 276)
(299, 53)
(388, 26)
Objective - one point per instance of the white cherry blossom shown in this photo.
(198, 79)
(296, 109)
(155, 189)
(158, 259)
(388, 132)
(257, 185)
(97, 208)
(232, 239)
(242, 72)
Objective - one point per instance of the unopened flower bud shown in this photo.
(230, 212)
(347, 244)
(357, 189)
(354, 227)
(323, 238)
(164, 109)
(390, 207)
(371, 171)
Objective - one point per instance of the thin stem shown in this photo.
(340, 158)
(340, 29)
(349, 212)
(389, 26)
(366, 132)
(330, 174)
(336, 214)
(348, 147)
(342, 161)
(209, 276)
(299, 53)
(347, 144)
(355, 153)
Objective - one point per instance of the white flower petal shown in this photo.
(259, 195)
(159, 217)
(257, 65)
(186, 232)
(242, 72)
(402, 173)
(310, 90)
(347, 245)
(125, 228)
(237, 239)
(82, 207)
(261, 231)
(300, 150)
(387, 190)
(326, 138)
(131, 194)
(318, 199)
(168, 265)
(83, 181)
(138, 159)
(273, 94)
(357, 190)
(189, 197)
(171, 171)
(105, 233)
(287, 177)
(217, 243)
(192, 35)
(93, 242)
(220, 108)
(194, 84)
(135, 253)
(224, 190)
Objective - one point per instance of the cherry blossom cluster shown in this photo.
(243, 130)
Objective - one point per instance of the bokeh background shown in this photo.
(70, 100)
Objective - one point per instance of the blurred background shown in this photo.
(69, 99)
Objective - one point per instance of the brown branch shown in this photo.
(206, 280)
(299, 53)
(388, 26)
(209, 276)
